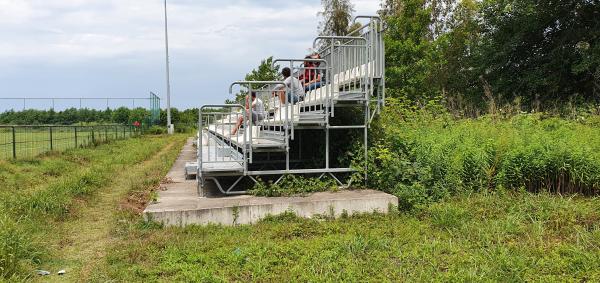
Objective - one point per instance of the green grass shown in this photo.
(502, 237)
(37, 195)
(31, 142)
(489, 199)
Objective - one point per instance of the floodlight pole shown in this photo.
(169, 125)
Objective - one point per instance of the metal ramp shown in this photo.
(306, 137)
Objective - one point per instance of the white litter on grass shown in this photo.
(42, 272)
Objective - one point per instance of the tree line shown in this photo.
(73, 116)
(482, 55)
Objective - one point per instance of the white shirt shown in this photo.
(294, 85)
(258, 106)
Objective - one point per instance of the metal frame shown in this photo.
(355, 69)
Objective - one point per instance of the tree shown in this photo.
(540, 50)
(410, 55)
(265, 72)
(336, 17)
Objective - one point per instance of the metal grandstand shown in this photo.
(310, 137)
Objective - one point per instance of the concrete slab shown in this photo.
(181, 211)
(179, 203)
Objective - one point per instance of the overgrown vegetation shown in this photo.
(501, 236)
(535, 54)
(36, 195)
(294, 185)
(425, 154)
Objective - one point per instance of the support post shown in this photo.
(14, 143)
(93, 136)
(51, 143)
(75, 136)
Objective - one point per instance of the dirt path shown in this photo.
(84, 240)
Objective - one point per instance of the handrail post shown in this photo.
(14, 143)
(250, 123)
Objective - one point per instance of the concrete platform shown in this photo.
(179, 204)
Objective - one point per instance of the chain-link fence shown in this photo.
(31, 141)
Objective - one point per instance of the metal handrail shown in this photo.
(249, 115)
(200, 152)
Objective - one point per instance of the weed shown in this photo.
(423, 157)
(291, 185)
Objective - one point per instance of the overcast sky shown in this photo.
(115, 48)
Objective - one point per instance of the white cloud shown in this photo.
(230, 35)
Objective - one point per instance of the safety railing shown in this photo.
(348, 57)
(270, 125)
(314, 76)
(373, 33)
(30, 141)
(216, 150)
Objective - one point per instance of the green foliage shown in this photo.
(184, 119)
(291, 185)
(424, 155)
(264, 72)
(484, 54)
(336, 17)
(16, 246)
(35, 195)
(498, 237)
(410, 54)
(540, 49)
(156, 130)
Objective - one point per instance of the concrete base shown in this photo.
(183, 211)
(179, 203)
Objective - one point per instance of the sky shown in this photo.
(115, 48)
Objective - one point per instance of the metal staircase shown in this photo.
(296, 138)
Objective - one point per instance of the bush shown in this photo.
(291, 185)
(156, 130)
(424, 155)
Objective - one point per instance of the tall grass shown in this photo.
(35, 194)
(425, 154)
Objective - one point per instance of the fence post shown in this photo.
(75, 137)
(14, 143)
(93, 137)
(105, 133)
(51, 143)
(116, 132)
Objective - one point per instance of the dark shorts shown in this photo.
(257, 117)
(293, 98)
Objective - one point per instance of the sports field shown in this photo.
(29, 142)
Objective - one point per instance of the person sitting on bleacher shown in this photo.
(258, 112)
(294, 92)
(313, 77)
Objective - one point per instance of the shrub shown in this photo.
(156, 130)
(291, 185)
(423, 155)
